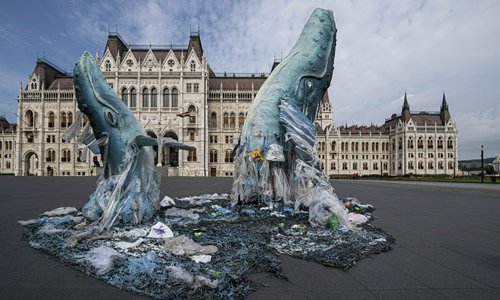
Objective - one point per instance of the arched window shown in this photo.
(193, 66)
(410, 143)
(63, 120)
(228, 157)
(232, 120)
(0, 145)
(420, 143)
(430, 165)
(145, 98)
(420, 165)
(125, 96)
(375, 166)
(213, 120)
(30, 118)
(51, 156)
(133, 98)
(241, 119)
(107, 65)
(400, 143)
(166, 98)
(440, 143)
(333, 166)
(70, 118)
(430, 143)
(213, 156)
(365, 166)
(226, 120)
(154, 98)
(449, 143)
(192, 114)
(66, 156)
(353, 146)
(334, 146)
(175, 97)
(355, 166)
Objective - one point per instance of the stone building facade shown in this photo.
(174, 93)
(7, 146)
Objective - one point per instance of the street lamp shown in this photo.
(482, 164)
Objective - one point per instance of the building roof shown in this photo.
(65, 83)
(5, 126)
(116, 44)
(48, 72)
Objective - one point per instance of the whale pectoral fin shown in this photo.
(89, 141)
(299, 130)
(142, 141)
(175, 144)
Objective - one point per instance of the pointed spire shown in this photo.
(405, 112)
(444, 112)
(406, 106)
(444, 105)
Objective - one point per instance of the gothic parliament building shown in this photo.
(174, 93)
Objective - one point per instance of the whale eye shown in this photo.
(309, 84)
(111, 118)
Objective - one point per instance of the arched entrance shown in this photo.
(31, 164)
(155, 148)
(170, 155)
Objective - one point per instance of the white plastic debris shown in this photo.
(356, 219)
(60, 211)
(160, 231)
(135, 233)
(275, 153)
(167, 201)
(182, 245)
(179, 212)
(26, 222)
(201, 258)
(127, 245)
(200, 281)
(102, 258)
(180, 274)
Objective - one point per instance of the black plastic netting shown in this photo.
(248, 239)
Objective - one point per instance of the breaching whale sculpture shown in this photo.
(276, 153)
(128, 187)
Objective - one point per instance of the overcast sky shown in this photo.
(384, 48)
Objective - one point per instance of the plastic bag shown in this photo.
(323, 205)
(102, 258)
(182, 245)
(275, 153)
(160, 231)
(184, 213)
(180, 274)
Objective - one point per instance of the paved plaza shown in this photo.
(447, 243)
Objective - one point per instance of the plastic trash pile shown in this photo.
(202, 247)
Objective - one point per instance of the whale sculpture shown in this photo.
(276, 152)
(128, 187)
